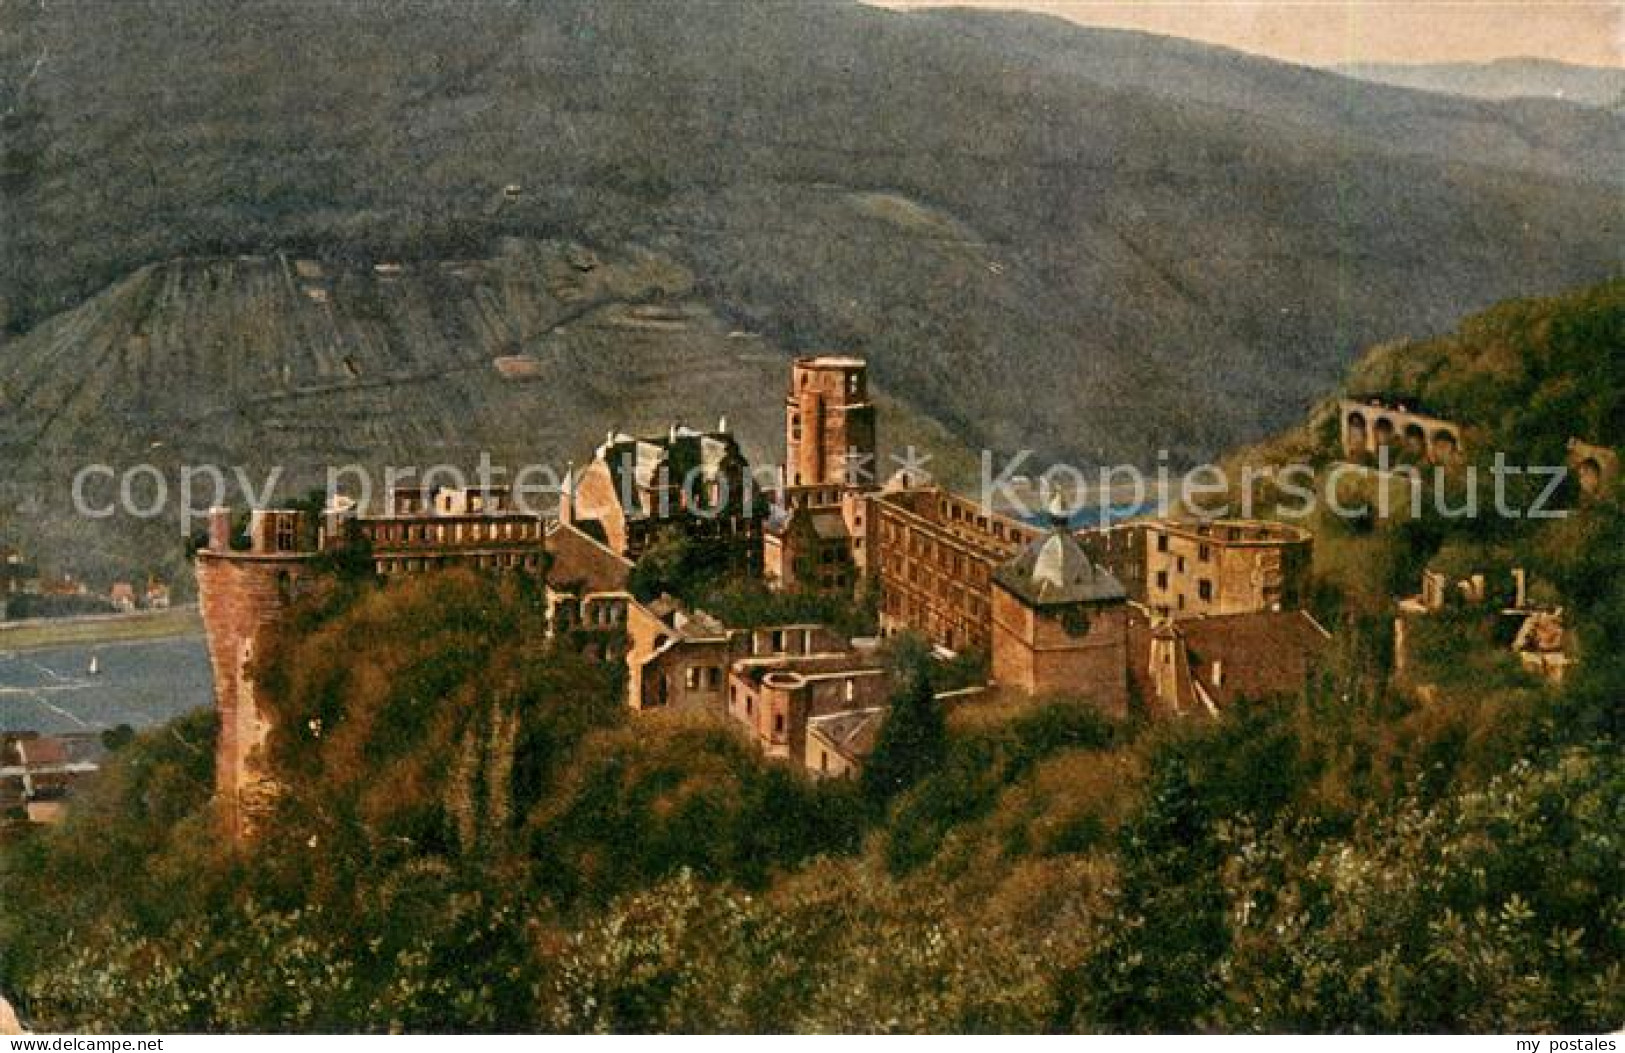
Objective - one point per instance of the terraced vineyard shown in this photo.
(273, 361)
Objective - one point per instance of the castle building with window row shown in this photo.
(1165, 617)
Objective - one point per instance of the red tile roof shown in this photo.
(1226, 658)
(580, 561)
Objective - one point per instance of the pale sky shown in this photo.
(1328, 32)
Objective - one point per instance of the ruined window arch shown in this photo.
(1356, 434)
(1590, 473)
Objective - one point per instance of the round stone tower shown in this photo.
(242, 588)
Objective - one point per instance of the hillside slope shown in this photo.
(1095, 245)
(293, 364)
(1513, 78)
(1539, 132)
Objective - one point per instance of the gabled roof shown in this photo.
(1223, 659)
(852, 733)
(698, 625)
(826, 523)
(829, 523)
(579, 560)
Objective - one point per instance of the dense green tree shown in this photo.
(1159, 968)
(913, 739)
(1497, 909)
(675, 793)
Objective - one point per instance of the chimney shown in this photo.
(261, 531)
(336, 519)
(722, 425)
(219, 529)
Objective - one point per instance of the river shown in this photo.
(139, 683)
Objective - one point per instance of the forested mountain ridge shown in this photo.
(1093, 244)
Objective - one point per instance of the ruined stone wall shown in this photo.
(1225, 567)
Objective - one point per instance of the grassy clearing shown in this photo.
(100, 628)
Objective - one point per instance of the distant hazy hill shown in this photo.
(1514, 78)
(1092, 243)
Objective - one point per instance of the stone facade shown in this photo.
(1200, 666)
(829, 422)
(839, 743)
(817, 540)
(1081, 650)
(1223, 566)
(775, 696)
(246, 585)
(1060, 622)
(1054, 611)
(933, 556)
(696, 482)
(676, 659)
(428, 529)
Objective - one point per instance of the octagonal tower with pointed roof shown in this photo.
(1060, 621)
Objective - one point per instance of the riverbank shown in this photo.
(37, 633)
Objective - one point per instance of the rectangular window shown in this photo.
(1162, 579)
(1204, 589)
(1162, 542)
